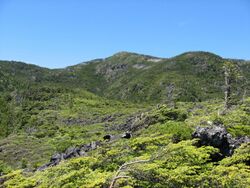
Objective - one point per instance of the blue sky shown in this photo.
(59, 33)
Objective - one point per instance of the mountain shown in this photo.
(129, 120)
(192, 76)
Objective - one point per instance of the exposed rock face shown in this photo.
(110, 71)
(154, 60)
(140, 66)
(70, 153)
(218, 137)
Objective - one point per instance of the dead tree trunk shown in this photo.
(170, 95)
(227, 93)
(121, 169)
(244, 95)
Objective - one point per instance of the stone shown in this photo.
(2, 180)
(127, 135)
(55, 157)
(70, 153)
(218, 137)
(107, 137)
(82, 153)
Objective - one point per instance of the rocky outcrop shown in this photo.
(111, 71)
(70, 153)
(82, 150)
(218, 137)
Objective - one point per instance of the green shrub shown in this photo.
(4, 168)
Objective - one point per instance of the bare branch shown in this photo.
(121, 168)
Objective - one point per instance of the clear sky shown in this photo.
(58, 33)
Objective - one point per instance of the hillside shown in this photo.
(137, 78)
(77, 126)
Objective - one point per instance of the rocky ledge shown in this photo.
(218, 137)
(70, 153)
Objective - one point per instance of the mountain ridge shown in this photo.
(128, 53)
(137, 77)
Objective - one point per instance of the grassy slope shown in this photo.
(45, 111)
(175, 163)
(141, 78)
(193, 76)
(47, 119)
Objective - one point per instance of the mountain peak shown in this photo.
(191, 54)
(125, 53)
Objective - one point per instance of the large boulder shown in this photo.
(218, 137)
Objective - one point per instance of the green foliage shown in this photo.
(44, 111)
(147, 78)
(5, 117)
(74, 173)
(232, 171)
(183, 165)
(163, 114)
(175, 165)
(44, 124)
(4, 168)
(172, 165)
(21, 151)
(239, 130)
(160, 114)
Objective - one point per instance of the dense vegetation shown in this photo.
(160, 101)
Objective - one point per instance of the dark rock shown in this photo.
(107, 137)
(218, 137)
(2, 180)
(70, 153)
(108, 118)
(127, 135)
(82, 153)
(56, 158)
(93, 145)
(236, 142)
(45, 166)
